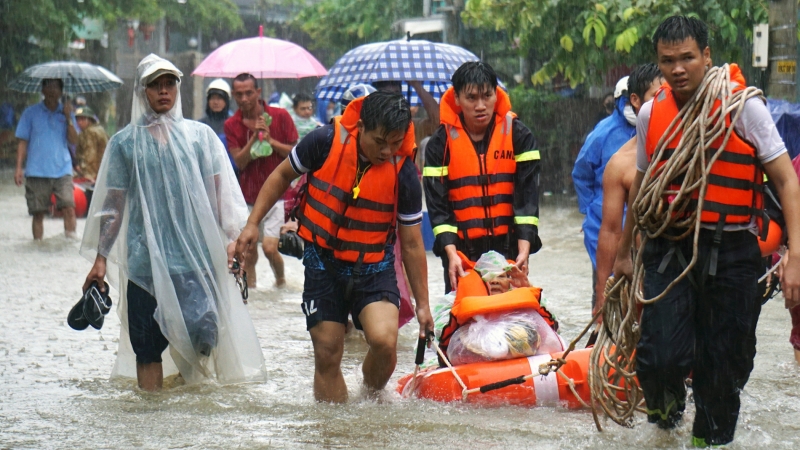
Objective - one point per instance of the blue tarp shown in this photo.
(786, 116)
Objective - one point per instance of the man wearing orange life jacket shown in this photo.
(481, 175)
(362, 183)
(706, 323)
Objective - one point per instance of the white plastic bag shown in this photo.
(508, 335)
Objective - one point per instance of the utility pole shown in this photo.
(452, 13)
(783, 50)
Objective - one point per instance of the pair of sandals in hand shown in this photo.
(91, 309)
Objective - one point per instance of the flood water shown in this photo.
(55, 390)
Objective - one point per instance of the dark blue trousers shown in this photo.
(705, 326)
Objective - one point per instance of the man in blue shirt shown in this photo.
(44, 131)
(587, 175)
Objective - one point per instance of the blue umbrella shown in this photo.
(432, 63)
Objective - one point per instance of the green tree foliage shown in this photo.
(581, 39)
(36, 30)
(339, 25)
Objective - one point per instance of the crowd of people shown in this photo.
(178, 203)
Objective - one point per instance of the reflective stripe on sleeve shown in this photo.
(531, 155)
(434, 172)
(444, 229)
(526, 220)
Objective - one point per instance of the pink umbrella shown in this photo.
(261, 56)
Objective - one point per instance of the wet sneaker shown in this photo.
(75, 318)
(701, 443)
(672, 420)
(96, 305)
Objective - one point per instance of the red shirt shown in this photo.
(255, 174)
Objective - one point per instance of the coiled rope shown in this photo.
(660, 207)
(612, 362)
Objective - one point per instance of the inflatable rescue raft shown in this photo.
(509, 379)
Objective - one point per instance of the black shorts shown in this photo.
(199, 315)
(324, 295)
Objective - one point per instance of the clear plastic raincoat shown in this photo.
(165, 207)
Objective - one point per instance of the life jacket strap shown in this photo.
(487, 223)
(347, 198)
(479, 180)
(484, 201)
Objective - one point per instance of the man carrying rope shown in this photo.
(699, 207)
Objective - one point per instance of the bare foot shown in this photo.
(797, 355)
(280, 282)
(380, 396)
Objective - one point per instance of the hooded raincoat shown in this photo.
(166, 205)
(587, 175)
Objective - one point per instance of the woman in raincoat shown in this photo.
(165, 209)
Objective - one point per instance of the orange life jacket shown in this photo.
(480, 187)
(353, 218)
(735, 181)
(472, 299)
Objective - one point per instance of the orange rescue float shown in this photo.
(440, 384)
(552, 390)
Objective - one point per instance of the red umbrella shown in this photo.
(261, 56)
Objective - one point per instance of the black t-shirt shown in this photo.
(310, 154)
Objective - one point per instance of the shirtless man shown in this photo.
(617, 179)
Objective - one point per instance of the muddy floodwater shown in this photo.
(55, 390)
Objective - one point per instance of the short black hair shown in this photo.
(387, 110)
(244, 77)
(50, 80)
(301, 97)
(641, 78)
(383, 85)
(679, 28)
(474, 73)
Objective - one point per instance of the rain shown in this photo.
(69, 378)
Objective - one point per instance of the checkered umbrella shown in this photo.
(403, 60)
(78, 77)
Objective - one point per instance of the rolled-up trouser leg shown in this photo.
(665, 351)
(727, 313)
